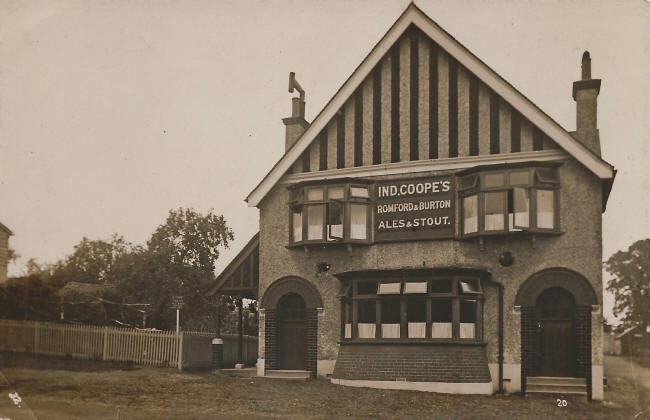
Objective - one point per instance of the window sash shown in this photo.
(382, 316)
(545, 201)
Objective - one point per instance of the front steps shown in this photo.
(300, 375)
(556, 385)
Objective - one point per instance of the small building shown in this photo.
(631, 341)
(431, 229)
(5, 233)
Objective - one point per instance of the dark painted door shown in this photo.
(292, 329)
(556, 336)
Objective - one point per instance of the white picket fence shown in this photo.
(189, 349)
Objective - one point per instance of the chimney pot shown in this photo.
(586, 66)
(296, 123)
(585, 93)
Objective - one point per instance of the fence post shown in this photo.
(35, 337)
(105, 344)
(180, 350)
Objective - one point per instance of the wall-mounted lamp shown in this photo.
(322, 267)
(506, 259)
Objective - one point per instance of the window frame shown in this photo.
(350, 301)
(474, 182)
(299, 201)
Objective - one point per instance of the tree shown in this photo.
(92, 260)
(178, 260)
(630, 283)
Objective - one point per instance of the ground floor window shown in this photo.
(437, 308)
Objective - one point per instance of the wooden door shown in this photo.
(556, 345)
(292, 332)
(556, 333)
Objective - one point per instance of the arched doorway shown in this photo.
(290, 333)
(292, 328)
(555, 310)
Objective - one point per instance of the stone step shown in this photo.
(287, 374)
(555, 380)
(556, 389)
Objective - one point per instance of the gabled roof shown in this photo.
(6, 229)
(414, 16)
(222, 283)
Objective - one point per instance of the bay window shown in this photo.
(512, 200)
(420, 307)
(329, 213)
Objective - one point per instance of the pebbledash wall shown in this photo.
(420, 108)
(578, 249)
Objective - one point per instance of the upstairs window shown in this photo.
(329, 213)
(513, 200)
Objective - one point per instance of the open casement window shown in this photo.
(329, 213)
(512, 200)
(417, 308)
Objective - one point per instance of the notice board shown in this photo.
(412, 209)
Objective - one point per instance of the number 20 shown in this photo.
(561, 402)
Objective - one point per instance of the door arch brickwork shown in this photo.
(526, 298)
(269, 303)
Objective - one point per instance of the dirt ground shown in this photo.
(50, 388)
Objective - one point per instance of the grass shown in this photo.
(63, 389)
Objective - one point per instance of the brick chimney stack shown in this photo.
(296, 123)
(585, 93)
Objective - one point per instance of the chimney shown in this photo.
(585, 93)
(296, 123)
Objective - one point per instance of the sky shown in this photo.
(114, 112)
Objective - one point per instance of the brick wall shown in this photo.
(528, 344)
(271, 347)
(312, 341)
(412, 362)
(583, 344)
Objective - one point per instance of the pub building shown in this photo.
(431, 229)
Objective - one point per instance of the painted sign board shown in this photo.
(177, 302)
(418, 208)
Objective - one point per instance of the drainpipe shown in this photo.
(500, 357)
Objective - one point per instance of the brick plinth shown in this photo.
(413, 363)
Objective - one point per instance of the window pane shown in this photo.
(390, 318)
(547, 175)
(441, 319)
(470, 214)
(366, 311)
(416, 314)
(367, 288)
(415, 287)
(297, 226)
(315, 194)
(361, 192)
(416, 310)
(493, 180)
(545, 209)
(315, 219)
(441, 286)
(335, 193)
(469, 286)
(518, 208)
(467, 319)
(335, 222)
(468, 182)
(494, 210)
(519, 178)
(358, 218)
(366, 318)
(389, 288)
